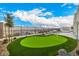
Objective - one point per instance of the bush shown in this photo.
(14, 38)
(5, 41)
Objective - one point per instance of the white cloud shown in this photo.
(35, 11)
(43, 9)
(76, 4)
(39, 12)
(63, 4)
(33, 17)
(48, 14)
(63, 21)
(70, 7)
(2, 21)
(5, 11)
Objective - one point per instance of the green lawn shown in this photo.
(42, 41)
(41, 45)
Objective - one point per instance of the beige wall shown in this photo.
(76, 22)
(66, 29)
(22, 30)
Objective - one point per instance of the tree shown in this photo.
(9, 24)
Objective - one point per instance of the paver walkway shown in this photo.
(3, 50)
(3, 47)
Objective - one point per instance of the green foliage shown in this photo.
(9, 20)
(9, 24)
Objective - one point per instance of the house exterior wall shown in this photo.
(18, 30)
(76, 23)
(66, 29)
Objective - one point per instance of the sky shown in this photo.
(40, 14)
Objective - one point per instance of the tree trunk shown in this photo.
(5, 33)
(9, 33)
(21, 30)
(77, 34)
(6, 30)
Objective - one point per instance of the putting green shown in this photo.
(41, 45)
(43, 41)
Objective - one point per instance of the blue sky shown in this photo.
(44, 13)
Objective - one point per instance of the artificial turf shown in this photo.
(40, 45)
(42, 41)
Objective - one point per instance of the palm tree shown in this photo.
(9, 24)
